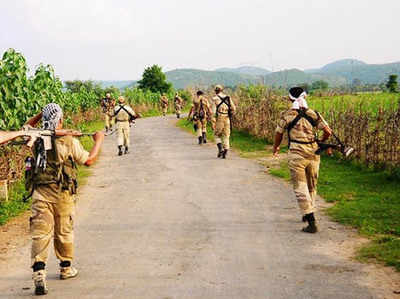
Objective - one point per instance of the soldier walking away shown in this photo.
(124, 116)
(107, 104)
(164, 104)
(53, 185)
(300, 122)
(178, 102)
(201, 112)
(224, 110)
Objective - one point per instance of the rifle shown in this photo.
(341, 147)
(30, 135)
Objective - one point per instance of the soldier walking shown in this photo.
(201, 112)
(53, 188)
(124, 116)
(224, 109)
(108, 104)
(164, 104)
(300, 122)
(178, 102)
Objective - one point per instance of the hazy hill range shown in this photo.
(247, 70)
(182, 78)
(118, 84)
(337, 73)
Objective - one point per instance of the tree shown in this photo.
(154, 79)
(392, 83)
(320, 84)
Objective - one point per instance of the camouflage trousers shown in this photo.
(52, 220)
(123, 131)
(109, 121)
(164, 109)
(223, 130)
(201, 126)
(304, 175)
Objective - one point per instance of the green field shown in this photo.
(366, 102)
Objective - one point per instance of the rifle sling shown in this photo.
(301, 114)
(123, 108)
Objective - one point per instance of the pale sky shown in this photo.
(116, 40)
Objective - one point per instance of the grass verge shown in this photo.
(366, 199)
(15, 206)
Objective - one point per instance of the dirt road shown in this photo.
(170, 220)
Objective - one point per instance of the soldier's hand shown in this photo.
(275, 153)
(329, 151)
(98, 135)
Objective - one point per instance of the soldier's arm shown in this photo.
(233, 107)
(94, 152)
(280, 129)
(277, 143)
(323, 125)
(190, 112)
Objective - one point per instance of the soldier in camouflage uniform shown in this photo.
(164, 104)
(300, 123)
(124, 115)
(201, 112)
(178, 102)
(53, 205)
(107, 104)
(224, 108)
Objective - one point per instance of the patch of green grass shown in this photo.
(385, 250)
(281, 172)
(14, 206)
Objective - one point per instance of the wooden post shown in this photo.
(3, 190)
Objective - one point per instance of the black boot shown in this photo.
(219, 150)
(126, 150)
(204, 138)
(312, 227)
(178, 116)
(119, 150)
(106, 129)
(224, 154)
(200, 140)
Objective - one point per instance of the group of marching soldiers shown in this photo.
(219, 113)
(54, 185)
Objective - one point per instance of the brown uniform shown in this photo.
(122, 119)
(108, 110)
(178, 101)
(164, 104)
(53, 210)
(201, 112)
(303, 162)
(223, 124)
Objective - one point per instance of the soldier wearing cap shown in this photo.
(201, 112)
(224, 108)
(108, 104)
(164, 104)
(53, 204)
(178, 102)
(300, 122)
(124, 115)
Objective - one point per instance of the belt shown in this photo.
(121, 121)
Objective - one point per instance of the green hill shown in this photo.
(351, 69)
(182, 78)
(247, 70)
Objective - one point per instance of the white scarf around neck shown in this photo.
(299, 102)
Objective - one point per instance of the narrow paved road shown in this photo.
(170, 220)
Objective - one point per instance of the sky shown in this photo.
(117, 39)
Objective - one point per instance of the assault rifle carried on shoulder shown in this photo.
(30, 135)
